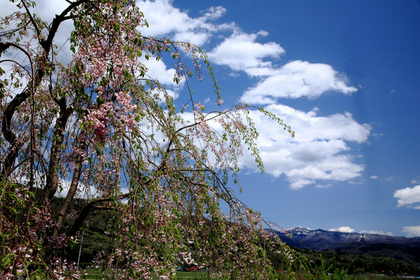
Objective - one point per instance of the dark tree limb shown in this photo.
(77, 172)
(56, 148)
(88, 208)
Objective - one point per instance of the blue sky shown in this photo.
(344, 74)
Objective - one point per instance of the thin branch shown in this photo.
(14, 61)
(5, 33)
(38, 32)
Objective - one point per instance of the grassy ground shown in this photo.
(94, 274)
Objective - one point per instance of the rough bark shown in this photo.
(56, 148)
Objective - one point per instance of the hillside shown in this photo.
(323, 239)
(357, 251)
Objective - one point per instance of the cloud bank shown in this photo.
(166, 20)
(408, 197)
(241, 52)
(412, 231)
(297, 79)
(317, 155)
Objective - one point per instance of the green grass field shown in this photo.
(94, 274)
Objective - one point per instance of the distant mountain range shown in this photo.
(323, 239)
(398, 247)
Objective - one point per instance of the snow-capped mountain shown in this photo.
(323, 239)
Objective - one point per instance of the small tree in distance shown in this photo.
(101, 126)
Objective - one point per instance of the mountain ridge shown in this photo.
(320, 239)
(355, 252)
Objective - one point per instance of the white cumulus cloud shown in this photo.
(166, 20)
(343, 229)
(412, 231)
(319, 152)
(157, 69)
(241, 52)
(409, 197)
(297, 79)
